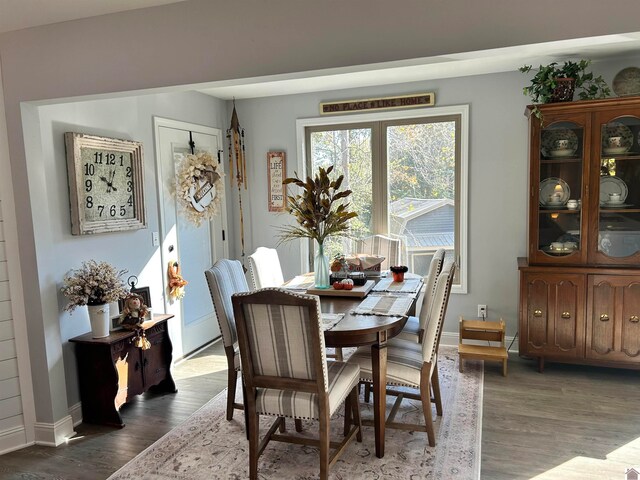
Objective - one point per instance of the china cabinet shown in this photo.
(580, 285)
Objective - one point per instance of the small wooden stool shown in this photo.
(483, 330)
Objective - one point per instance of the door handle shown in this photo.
(537, 313)
(566, 315)
(634, 319)
(604, 317)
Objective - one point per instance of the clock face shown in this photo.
(107, 181)
(106, 184)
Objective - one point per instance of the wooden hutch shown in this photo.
(580, 285)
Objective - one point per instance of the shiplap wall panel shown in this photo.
(4, 291)
(6, 330)
(4, 272)
(9, 388)
(11, 422)
(11, 407)
(3, 251)
(7, 350)
(5, 310)
(8, 368)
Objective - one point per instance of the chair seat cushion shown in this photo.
(411, 330)
(404, 363)
(343, 377)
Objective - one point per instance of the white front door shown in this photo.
(194, 248)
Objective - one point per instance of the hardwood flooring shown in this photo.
(570, 422)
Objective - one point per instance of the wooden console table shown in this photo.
(112, 369)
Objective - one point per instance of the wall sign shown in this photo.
(276, 168)
(106, 184)
(382, 103)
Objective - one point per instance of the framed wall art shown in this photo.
(106, 184)
(276, 170)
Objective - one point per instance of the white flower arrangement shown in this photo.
(199, 186)
(94, 283)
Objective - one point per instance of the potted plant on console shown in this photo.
(558, 83)
(94, 284)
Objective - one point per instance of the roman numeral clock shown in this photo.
(106, 190)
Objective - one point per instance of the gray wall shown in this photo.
(57, 250)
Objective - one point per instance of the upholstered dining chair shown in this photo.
(265, 268)
(414, 328)
(387, 247)
(414, 365)
(225, 278)
(286, 373)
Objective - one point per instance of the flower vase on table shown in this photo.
(321, 268)
(99, 318)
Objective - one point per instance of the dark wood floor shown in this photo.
(570, 422)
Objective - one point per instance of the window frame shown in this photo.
(462, 167)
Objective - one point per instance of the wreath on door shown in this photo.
(199, 187)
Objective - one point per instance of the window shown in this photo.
(407, 171)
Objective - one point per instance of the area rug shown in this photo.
(207, 446)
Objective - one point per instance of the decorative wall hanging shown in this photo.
(235, 134)
(199, 187)
(106, 184)
(382, 103)
(276, 169)
(176, 282)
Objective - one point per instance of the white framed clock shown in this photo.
(106, 184)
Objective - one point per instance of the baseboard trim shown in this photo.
(54, 434)
(75, 411)
(13, 439)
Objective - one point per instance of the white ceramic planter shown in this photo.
(99, 318)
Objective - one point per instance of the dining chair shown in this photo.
(387, 247)
(286, 373)
(265, 268)
(414, 365)
(414, 328)
(225, 278)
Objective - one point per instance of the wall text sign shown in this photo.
(383, 103)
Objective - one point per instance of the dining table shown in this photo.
(373, 329)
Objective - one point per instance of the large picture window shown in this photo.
(407, 171)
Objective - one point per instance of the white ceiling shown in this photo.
(19, 14)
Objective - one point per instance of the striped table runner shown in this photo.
(385, 306)
(410, 285)
(330, 320)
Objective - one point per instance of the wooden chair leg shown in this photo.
(348, 410)
(460, 363)
(232, 379)
(252, 429)
(283, 425)
(324, 448)
(367, 392)
(425, 394)
(355, 407)
(504, 367)
(298, 423)
(435, 384)
(339, 357)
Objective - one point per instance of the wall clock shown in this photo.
(106, 190)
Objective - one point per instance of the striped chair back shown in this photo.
(389, 248)
(433, 330)
(430, 286)
(265, 268)
(225, 278)
(280, 336)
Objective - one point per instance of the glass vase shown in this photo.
(321, 268)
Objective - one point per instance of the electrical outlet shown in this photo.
(482, 311)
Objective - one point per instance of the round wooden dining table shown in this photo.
(362, 330)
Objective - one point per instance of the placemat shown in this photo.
(410, 285)
(384, 306)
(330, 320)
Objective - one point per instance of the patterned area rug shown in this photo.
(206, 446)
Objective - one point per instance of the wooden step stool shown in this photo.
(483, 330)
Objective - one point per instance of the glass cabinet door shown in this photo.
(618, 190)
(561, 175)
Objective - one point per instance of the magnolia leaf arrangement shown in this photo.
(319, 209)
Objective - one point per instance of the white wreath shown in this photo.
(199, 187)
